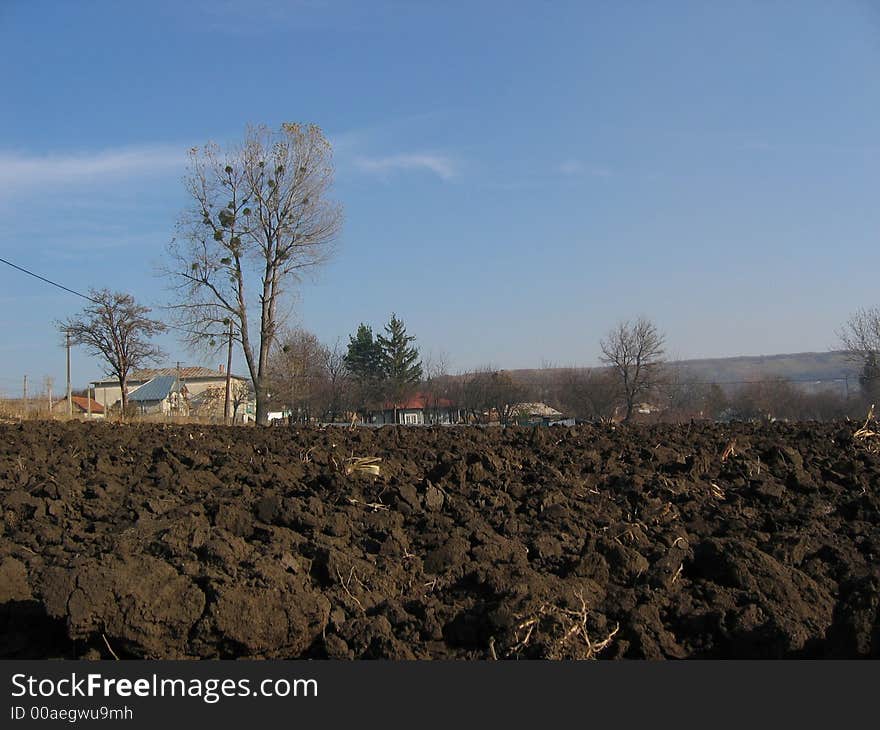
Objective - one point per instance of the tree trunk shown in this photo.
(262, 404)
(124, 396)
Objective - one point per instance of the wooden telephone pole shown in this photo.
(227, 401)
(69, 391)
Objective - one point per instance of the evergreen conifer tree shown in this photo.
(364, 362)
(400, 360)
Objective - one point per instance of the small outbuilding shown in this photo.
(420, 409)
(81, 407)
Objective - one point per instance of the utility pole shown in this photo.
(227, 401)
(69, 391)
(176, 405)
(25, 395)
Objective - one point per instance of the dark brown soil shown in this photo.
(175, 542)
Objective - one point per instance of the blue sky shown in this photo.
(516, 177)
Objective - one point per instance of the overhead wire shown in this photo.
(93, 300)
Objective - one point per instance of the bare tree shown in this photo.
(768, 400)
(586, 392)
(682, 397)
(860, 335)
(436, 386)
(715, 401)
(635, 352)
(485, 391)
(241, 394)
(860, 338)
(335, 395)
(117, 329)
(259, 217)
(210, 402)
(296, 370)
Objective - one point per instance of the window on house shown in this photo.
(410, 419)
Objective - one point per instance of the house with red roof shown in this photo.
(419, 409)
(81, 407)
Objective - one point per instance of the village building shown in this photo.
(538, 414)
(80, 407)
(420, 409)
(163, 394)
(194, 380)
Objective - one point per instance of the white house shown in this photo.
(417, 410)
(194, 380)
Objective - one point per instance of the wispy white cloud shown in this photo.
(20, 171)
(440, 165)
(574, 167)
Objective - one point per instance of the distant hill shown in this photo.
(814, 370)
(801, 367)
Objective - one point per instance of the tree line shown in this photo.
(313, 380)
(261, 215)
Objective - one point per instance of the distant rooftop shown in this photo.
(156, 389)
(80, 403)
(535, 409)
(419, 401)
(186, 373)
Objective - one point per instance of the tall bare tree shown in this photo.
(260, 216)
(485, 391)
(860, 338)
(336, 396)
(635, 352)
(436, 386)
(586, 392)
(860, 335)
(117, 329)
(296, 371)
(210, 402)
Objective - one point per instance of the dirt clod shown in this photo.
(634, 542)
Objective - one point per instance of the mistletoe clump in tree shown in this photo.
(260, 215)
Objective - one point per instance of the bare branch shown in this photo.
(259, 217)
(117, 329)
(634, 350)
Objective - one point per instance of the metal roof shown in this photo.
(186, 373)
(154, 390)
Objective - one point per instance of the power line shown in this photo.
(95, 301)
(48, 281)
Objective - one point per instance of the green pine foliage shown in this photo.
(364, 357)
(400, 360)
(384, 367)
